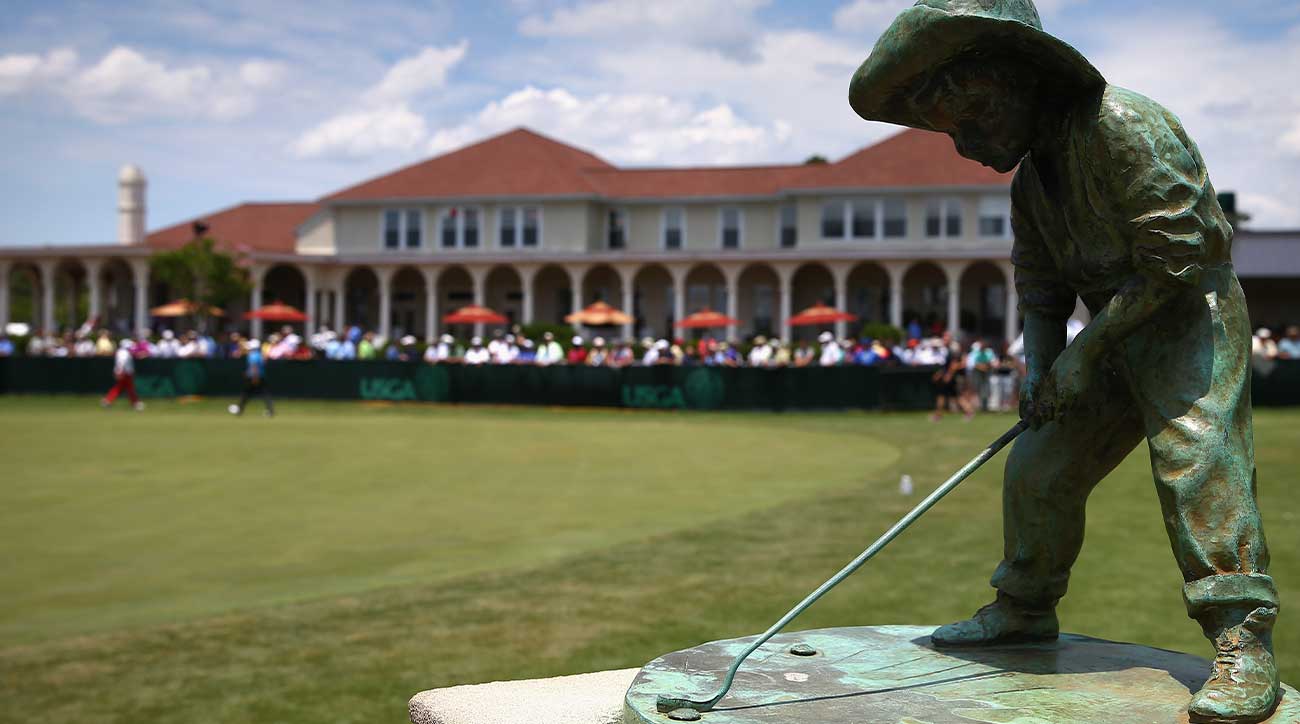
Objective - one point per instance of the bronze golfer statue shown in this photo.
(1111, 203)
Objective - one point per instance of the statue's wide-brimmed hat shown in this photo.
(931, 34)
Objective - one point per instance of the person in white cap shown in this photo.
(578, 352)
(1263, 346)
(832, 354)
(254, 380)
(598, 355)
(440, 352)
(124, 374)
(549, 351)
(477, 354)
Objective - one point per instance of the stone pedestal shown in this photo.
(893, 675)
(583, 699)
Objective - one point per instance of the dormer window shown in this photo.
(674, 227)
(616, 229)
(943, 218)
(730, 226)
(520, 226)
(995, 217)
(458, 226)
(403, 228)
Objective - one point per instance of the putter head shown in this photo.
(665, 704)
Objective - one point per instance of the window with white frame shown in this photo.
(674, 227)
(833, 213)
(789, 231)
(864, 218)
(995, 216)
(894, 213)
(943, 218)
(458, 226)
(518, 226)
(403, 228)
(862, 223)
(729, 223)
(616, 229)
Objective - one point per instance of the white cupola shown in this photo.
(130, 205)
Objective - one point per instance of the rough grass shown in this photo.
(733, 518)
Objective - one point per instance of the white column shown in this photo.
(309, 285)
(1013, 303)
(47, 295)
(627, 277)
(340, 302)
(953, 271)
(527, 277)
(255, 302)
(897, 272)
(385, 277)
(4, 294)
(140, 277)
(732, 276)
(840, 278)
(576, 273)
(785, 278)
(93, 292)
(679, 274)
(430, 305)
(478, 275)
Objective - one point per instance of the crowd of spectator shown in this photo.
(978, 367)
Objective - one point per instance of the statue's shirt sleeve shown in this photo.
(1040, 284)
(1159, 188)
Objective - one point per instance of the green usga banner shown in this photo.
(188, 377)
(427, 384)
(701, 389)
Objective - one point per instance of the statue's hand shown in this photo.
(1061, 389)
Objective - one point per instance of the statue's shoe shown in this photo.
(1243, 685)
(1004, 621)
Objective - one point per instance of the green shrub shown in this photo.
(881, 331)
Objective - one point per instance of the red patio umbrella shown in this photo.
(474, 314)
(599, 314)
(820, 314)
(706, 318)
(183, 308)
(277, 312)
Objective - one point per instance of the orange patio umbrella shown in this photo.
(599, 314)
(277, 312)
(706, 318)
(475, 314)
(183, 308)
(819, 314)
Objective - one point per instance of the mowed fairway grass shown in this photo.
(184, 565)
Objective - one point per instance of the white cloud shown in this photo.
(633, 128)
(1290, 141)
(358, 134)
(726, 26)
(19, 73)
(414, 76)
(383, 120)
(262, 73)
(1236, 96)
(869, 16)
(125, 85)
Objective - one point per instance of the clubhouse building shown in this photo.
(534, 228)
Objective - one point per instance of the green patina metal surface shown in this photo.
(893, 675)
(1111, 204)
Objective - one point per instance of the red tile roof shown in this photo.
(267, 227)
(910, 158)
(517, 163)
(524, 163)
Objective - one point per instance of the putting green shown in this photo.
(114, 519)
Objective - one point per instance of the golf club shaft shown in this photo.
(871, 551)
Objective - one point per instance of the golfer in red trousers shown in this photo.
(124, 373)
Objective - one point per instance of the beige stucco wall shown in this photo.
(565, 226)
(317, 235)
(810, 215)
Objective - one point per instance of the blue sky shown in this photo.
(222, 101)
